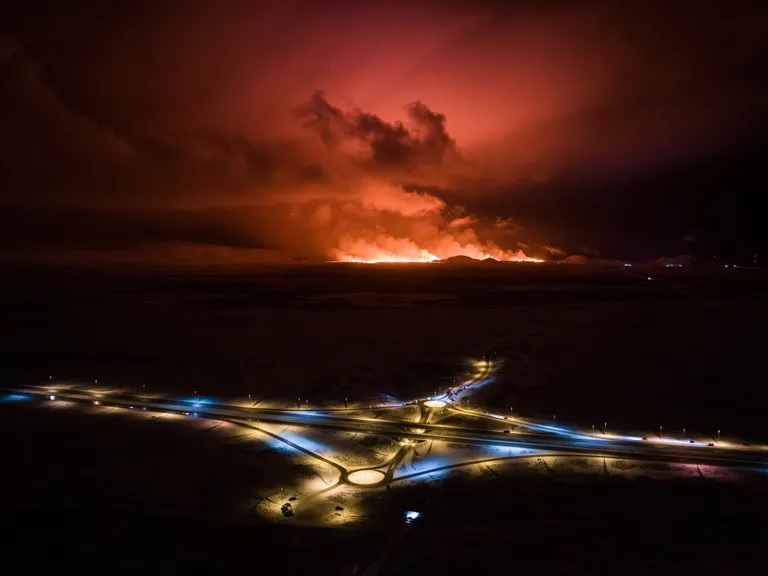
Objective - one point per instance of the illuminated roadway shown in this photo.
(540, 437)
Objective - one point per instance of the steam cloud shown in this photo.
(190, 132)
(385, 223)
(225, 196)
(424, 142)
(381, 220)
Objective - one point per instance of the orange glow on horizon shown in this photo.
(364, 252)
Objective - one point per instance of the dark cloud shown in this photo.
(425, 142)
(51, 152)
(47, 149)
(327, 121)
(106, 230)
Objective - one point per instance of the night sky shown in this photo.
(230, 132)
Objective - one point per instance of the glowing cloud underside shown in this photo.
(389, 224)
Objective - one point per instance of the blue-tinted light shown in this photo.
(15, 397)
(197, 401)
(410, 516)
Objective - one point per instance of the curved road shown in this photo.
(537, 438)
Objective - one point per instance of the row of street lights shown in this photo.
(605, 425)
(511, 411)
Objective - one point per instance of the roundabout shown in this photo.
(365, 477)
(435, 404)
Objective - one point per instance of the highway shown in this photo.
(554, 440)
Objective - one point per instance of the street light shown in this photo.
(660, 430)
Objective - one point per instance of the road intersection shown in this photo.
(501, 431)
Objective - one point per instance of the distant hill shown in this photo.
(583, 260)
(577, 259)
(461, 260)
(468, 260)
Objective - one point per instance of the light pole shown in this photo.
(346, 404)
(605, 427)
(683, 432)
(718, 435)
(660, 430)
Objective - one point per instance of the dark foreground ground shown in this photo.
(121, 494)
(636, 528)
(684, 350)
(104, 495)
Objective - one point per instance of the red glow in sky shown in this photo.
(351, 130)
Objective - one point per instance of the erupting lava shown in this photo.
(405, 251)
(383, 223)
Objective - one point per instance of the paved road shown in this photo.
(582, 444)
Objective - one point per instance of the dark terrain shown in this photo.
(99, 494)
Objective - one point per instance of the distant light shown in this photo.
(628, 265)
(410, 516)
(52, 397)
(649, 278)
(96, 402)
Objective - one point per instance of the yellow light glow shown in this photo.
(434, 404)
(366, 477)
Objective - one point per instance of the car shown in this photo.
(287, 509)
(710, 444)
(506, 431)
(644, 438)
(690, 442)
